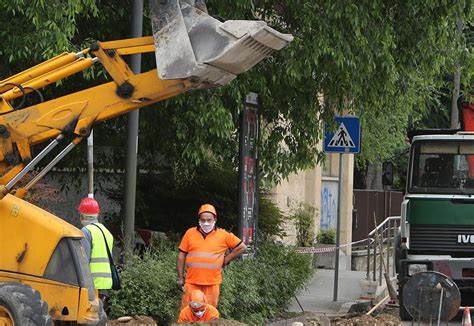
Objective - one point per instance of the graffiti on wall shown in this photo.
(328, 204)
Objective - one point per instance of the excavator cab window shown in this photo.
(61, 267)
(68, 265)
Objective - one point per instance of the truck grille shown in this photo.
(436, 238)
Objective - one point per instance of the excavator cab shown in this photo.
(44, 278)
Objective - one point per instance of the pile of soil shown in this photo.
(133, 321)
(386, 315)
(383, 319)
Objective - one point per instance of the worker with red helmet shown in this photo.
(202, 250)
(198, 309)
(95, 242)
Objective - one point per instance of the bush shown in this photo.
(254, 289)
(258, 289)
(327, 236)
(303, 216)
(271, 220)
(149, 286)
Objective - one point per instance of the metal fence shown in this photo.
(381, 249)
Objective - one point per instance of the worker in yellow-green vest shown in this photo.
(94, 243)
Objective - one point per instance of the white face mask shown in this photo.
(207, 227)
(199, 314)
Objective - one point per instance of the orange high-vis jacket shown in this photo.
(205, 254)
(186, 315)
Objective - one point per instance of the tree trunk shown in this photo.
(374, 176)
(456, 86)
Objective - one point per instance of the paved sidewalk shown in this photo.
(318, 297)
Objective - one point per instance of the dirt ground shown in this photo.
(132, 321)
(147, 321)
(383, 319)
(386, 316)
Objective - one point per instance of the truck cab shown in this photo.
(437, 222)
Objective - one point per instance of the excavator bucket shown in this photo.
(191, 44)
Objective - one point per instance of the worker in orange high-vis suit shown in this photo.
(202, 250)
(198, 309)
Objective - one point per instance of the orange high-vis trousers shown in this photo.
(211, 292)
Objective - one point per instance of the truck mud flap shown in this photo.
(189, 43)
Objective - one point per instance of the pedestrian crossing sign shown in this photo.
(346, 137)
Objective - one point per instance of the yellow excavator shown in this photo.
(44, 277)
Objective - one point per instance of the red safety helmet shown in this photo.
(89, 206)
(197, 300)
(207, 208)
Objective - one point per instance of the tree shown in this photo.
(39, 29)
(381, 60)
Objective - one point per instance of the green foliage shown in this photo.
(164, 205)
(385, 61)
(148, 287)
(270, 220)
(303, 217)
(253, 290)
(326, 236)
(39, 29)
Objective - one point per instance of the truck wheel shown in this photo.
(22, 305)
(403, 312)
(399, 252)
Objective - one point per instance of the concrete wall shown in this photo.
(301, 187)
(318, 188)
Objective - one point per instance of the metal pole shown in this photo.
(338, 227)
(380, 259)
(394, 234)
(132, 137)
(374, 268)
(388, 247)
(90, 163)
(440, 305)
(368, 259)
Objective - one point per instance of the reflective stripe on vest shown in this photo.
(205, 254)
(204, 260)
(100, 264)
(204, 265)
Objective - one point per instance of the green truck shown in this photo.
(437, 220)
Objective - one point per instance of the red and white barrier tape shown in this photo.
(312, 250)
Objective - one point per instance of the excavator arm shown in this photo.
(77, 112)
(193, 50)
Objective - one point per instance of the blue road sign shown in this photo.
(346, 137)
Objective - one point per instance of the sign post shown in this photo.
(248, 172)
(344, 140)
